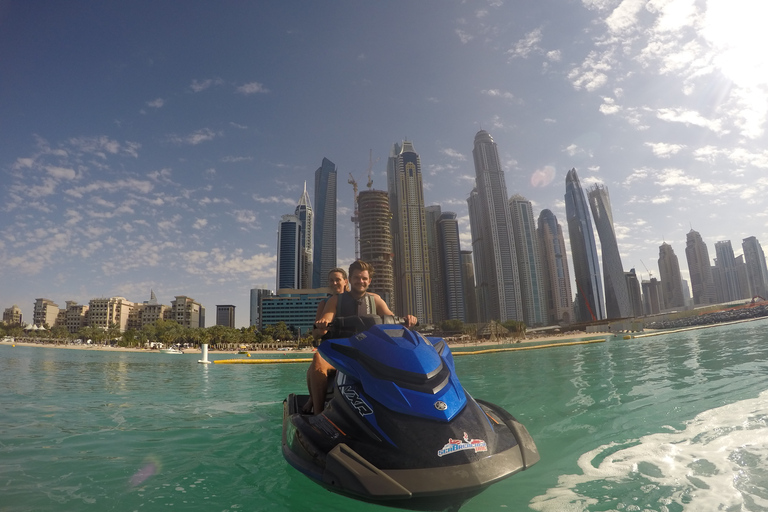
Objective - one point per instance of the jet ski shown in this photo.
(398, 429)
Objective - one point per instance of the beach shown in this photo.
(568, 336)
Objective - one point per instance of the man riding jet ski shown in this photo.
(397, 427)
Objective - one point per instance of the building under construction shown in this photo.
(374, 216)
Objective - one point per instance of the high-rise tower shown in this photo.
(289, 247)
(589, 289)
(671, 283)
(726, 263)
(699, 269)
(757, 273)
(409, 233)
(493, 244)
(528, 261)
(468, 278)
(304, 214)
(554, 262)
(324, 250)
(617, 304)
(431, 215)
(449, 254)
(376, 242)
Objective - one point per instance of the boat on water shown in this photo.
(398, 428)
(172, 350)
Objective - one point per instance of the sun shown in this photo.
(736, 31)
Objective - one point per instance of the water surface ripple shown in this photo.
(667, 423)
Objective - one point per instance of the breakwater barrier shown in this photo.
(457, 353)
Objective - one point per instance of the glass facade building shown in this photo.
(324, 231)
(528, 261)
(589, 288)
(493, 243)
(413, 293)
(617, 304)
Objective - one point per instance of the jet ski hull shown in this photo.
(399, 429)
(434, 482)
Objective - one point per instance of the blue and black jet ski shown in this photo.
(398, 428)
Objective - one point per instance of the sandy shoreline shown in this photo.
(461, 344)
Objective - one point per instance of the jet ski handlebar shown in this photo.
(348, 325)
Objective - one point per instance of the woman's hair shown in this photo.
(360, 265)
(340, 271)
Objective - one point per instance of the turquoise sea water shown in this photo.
(667, 423)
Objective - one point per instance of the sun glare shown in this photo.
(736, 30)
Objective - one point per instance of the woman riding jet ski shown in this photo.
(397, 427)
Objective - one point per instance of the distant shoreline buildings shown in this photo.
(517, 269)
(112, 311)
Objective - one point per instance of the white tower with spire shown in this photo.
(304, 214)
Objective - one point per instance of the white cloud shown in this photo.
(464, 36)
(453, 154)
(131, 185)
(195, 138)
(23, 163)
(543, 177)
(244, 216)
(624, 17)
(103, 145)
(199, 86)
(200, 223)
(664, 150)
(219, 264)
(525, 46)
(592, 74)
(609, 106)
(233, 159)
(496, 93)
(252, 88)
(682, 115)
(157, 103)
(274, 199)
(61, 172)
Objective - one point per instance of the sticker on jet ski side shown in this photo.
(356, 400)
(457, 445)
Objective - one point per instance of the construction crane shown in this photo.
(370, 168)
(355, 217)
(650, 274)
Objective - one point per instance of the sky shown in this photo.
(154, 145)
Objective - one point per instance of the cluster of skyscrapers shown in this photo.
(517, 268)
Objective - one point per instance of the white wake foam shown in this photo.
(719, 461)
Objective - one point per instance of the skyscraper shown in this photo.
(225, 315)
(493, 244)
(617, 304)
(468, 278)
(652, 296)
(304, 214)
(699, 269)
(432, 214)
(528, 261)
(757, 273)
(449, 254)
(726, 262)
(255, 304)
(671, 283)
(289, 246)
(376, 242)
(409, 233)
(554, 263)
(324, 250)
(589, 289)
(635, 296)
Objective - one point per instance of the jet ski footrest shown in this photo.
(345, 468)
